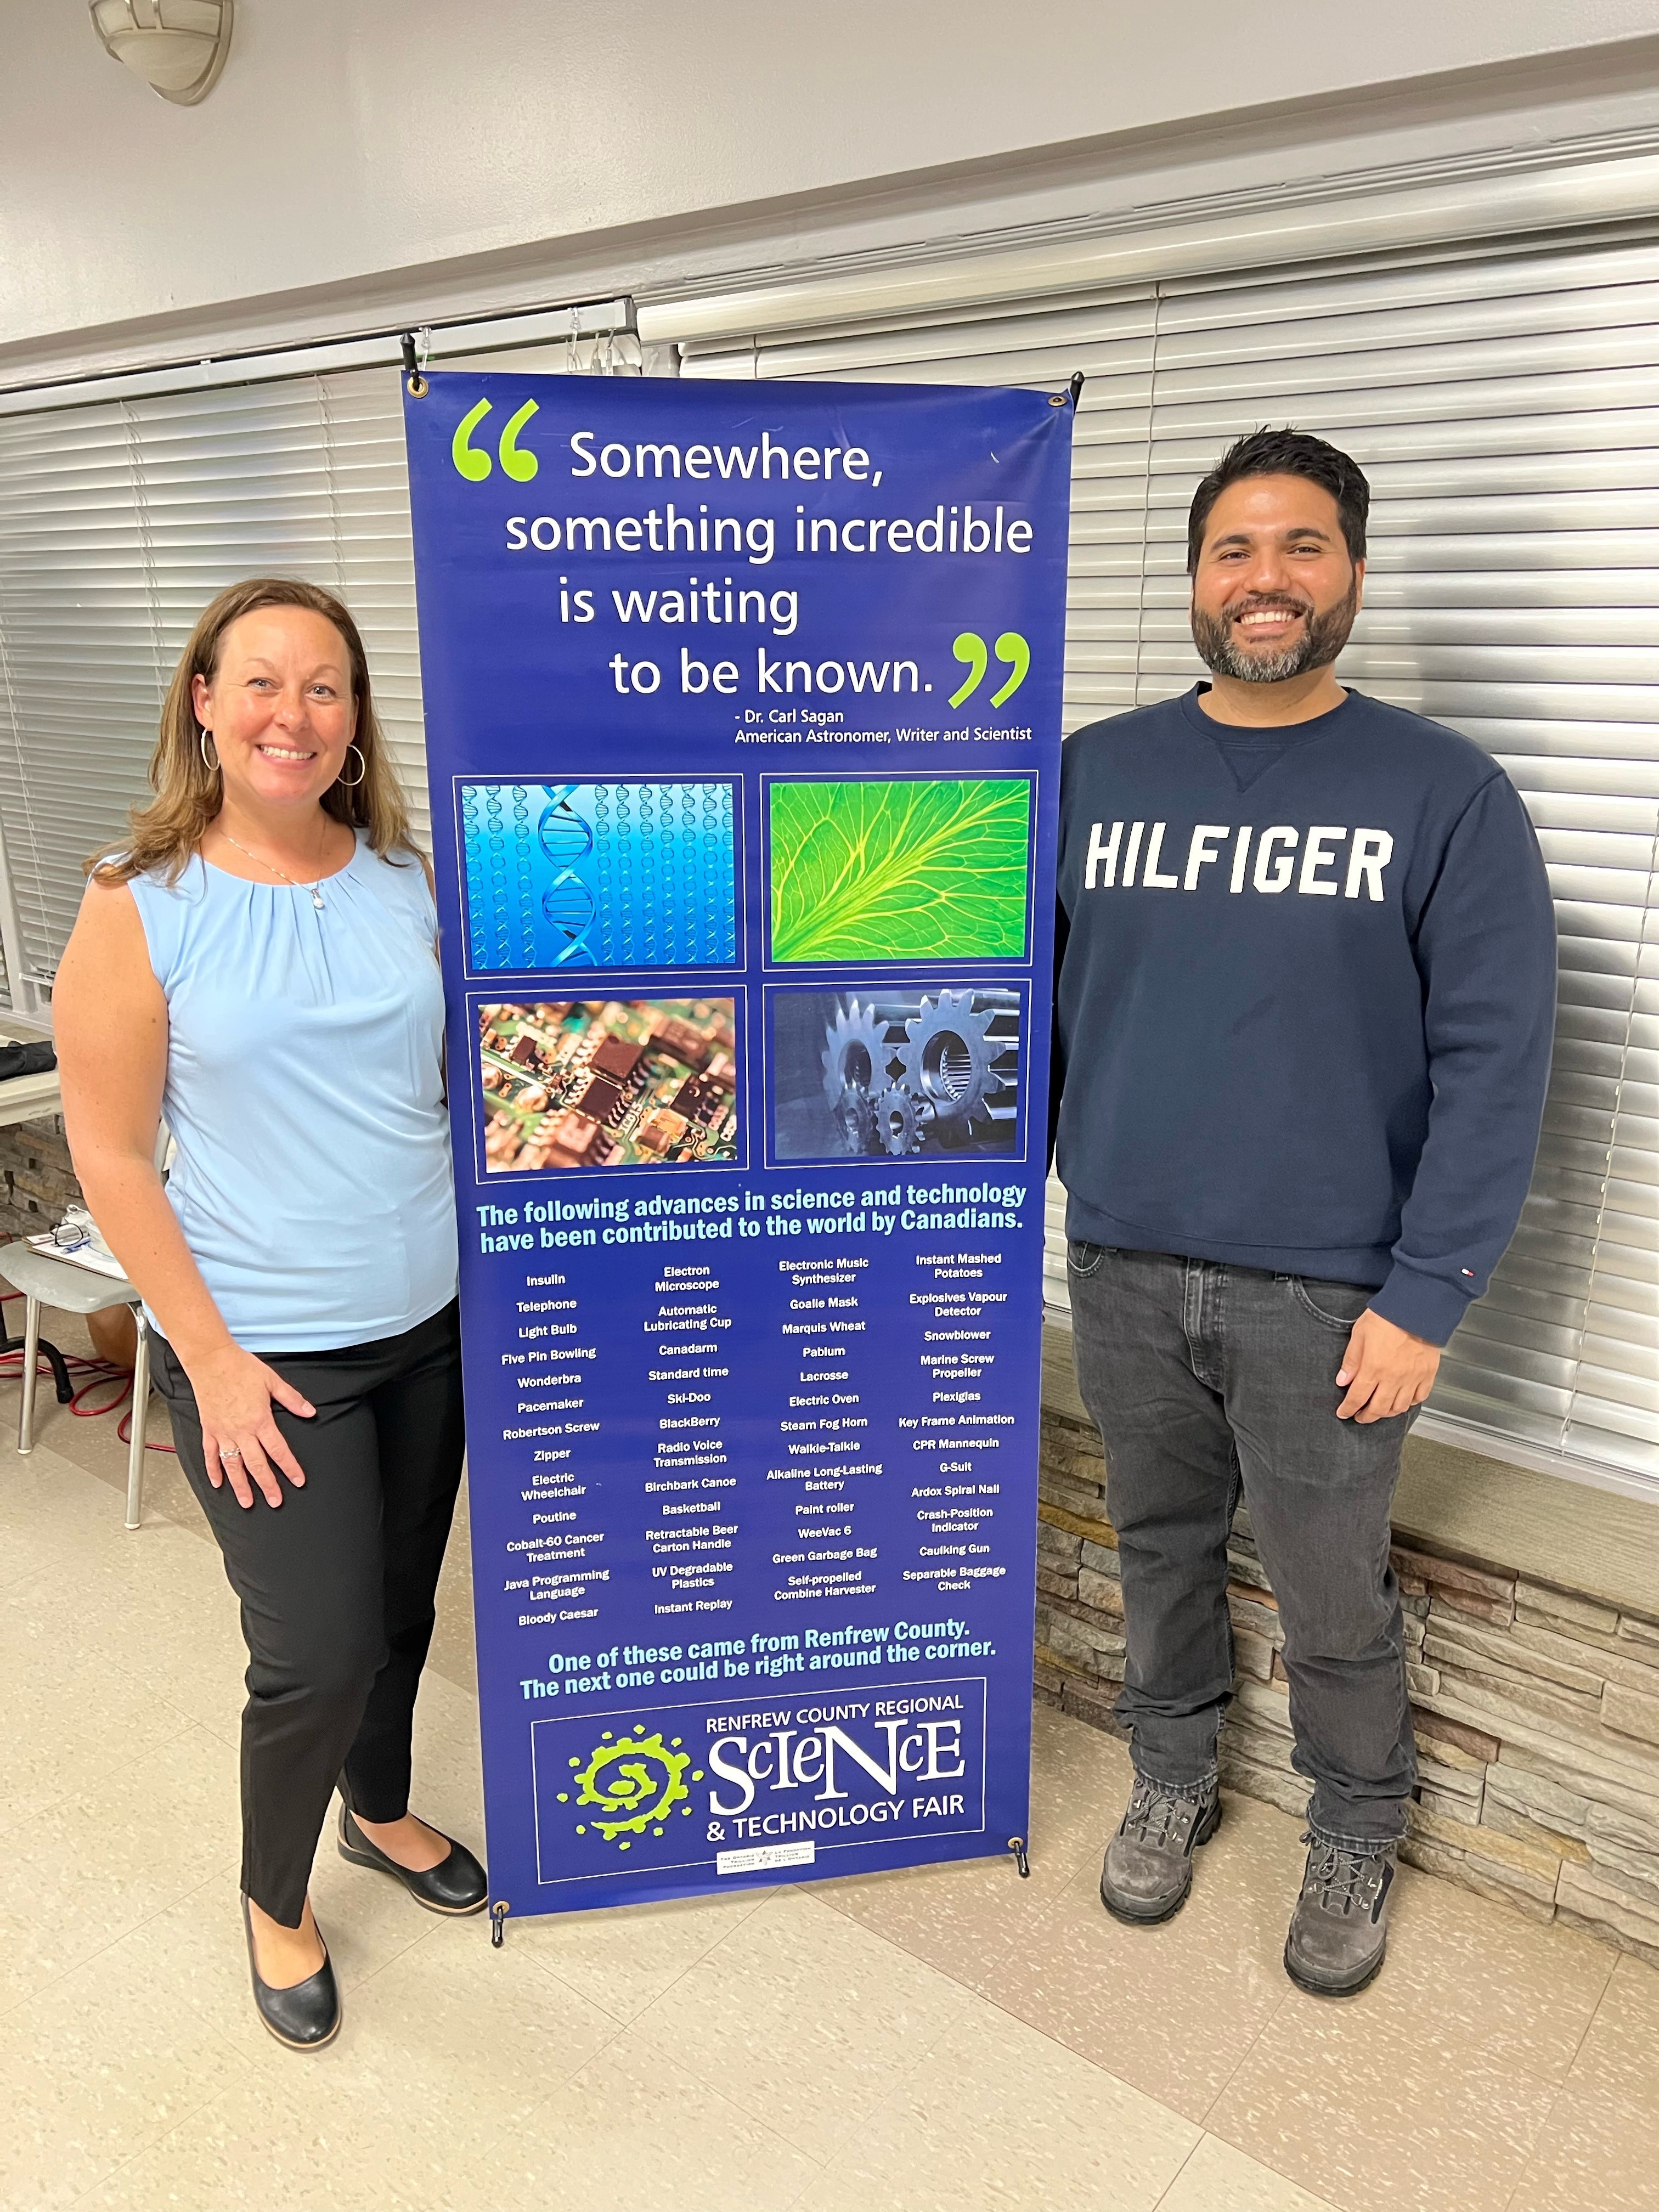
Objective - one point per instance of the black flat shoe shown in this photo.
(457, 1884)
(305, 2017)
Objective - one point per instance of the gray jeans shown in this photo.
(1207, 1380)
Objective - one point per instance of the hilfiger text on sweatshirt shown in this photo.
(1321, 859)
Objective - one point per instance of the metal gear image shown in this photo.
(913, 1071)
(962, 1062)
(861, 1050)
(898, 1122)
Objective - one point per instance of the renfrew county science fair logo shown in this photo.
(728, 1786)
(630, 1786)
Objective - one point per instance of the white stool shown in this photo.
(69, 1288)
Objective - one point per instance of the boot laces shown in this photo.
(1156, 1814)
(1340, 1880)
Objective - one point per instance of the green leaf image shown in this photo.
(918, 870)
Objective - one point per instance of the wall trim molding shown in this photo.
(1539, 1459)
(1565, 186)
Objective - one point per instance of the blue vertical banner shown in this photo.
(742, 720)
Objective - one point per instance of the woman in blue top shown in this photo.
(256, 961)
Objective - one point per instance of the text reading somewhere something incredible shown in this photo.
(1325, 860)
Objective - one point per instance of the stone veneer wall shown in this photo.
(1537, 1711)
(37, 1177)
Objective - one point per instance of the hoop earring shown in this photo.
(211, 766)
(350, 782)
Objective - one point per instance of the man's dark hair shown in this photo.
(1284, 452)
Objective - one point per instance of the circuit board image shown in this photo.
(598, 1083)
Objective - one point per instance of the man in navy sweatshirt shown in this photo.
(1306, 987)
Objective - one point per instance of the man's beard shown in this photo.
(1322, 638)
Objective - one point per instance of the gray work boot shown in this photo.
(1339, 1929)
(1149, 1862)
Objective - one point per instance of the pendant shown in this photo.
(316, 896)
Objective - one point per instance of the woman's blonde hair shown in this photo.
(165, 834)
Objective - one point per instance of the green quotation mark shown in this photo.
(971, 650)
(474, 465)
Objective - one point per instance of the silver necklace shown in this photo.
(314, 889)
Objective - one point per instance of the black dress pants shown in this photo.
(336, 1585)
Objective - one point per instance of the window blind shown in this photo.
(119, 522)
(118, 525)
(1505, 406)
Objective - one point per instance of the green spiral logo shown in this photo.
(634, 1782)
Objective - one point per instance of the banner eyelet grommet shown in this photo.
(499, 1911)
(1022, 1858)
(418, 386)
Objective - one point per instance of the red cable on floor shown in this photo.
(105, 1375)
(95, 1371)
(124, 1432)
(124, 1426)
(72, 1361)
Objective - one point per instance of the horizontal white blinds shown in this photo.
(1506, 410)
(118, 525)
(119, 521)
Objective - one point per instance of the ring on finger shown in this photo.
(229, 1451)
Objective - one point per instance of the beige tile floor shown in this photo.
(947, 2038)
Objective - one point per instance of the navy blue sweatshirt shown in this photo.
(1306, 992)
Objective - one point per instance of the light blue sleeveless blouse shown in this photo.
(305, 1091)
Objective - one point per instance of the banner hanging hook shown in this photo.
(415, 355)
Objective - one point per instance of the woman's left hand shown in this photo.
(242, 1444)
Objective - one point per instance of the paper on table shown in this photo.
(95, 1262)
(76, 1241)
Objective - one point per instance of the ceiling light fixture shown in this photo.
(177, 46)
